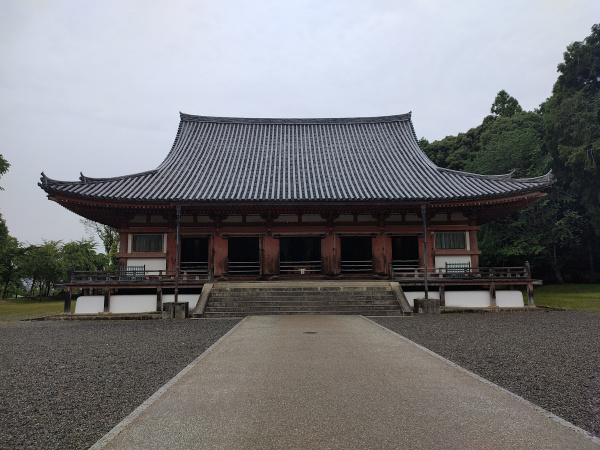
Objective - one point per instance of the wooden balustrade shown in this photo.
(465, 272)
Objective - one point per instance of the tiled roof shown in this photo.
(216, 159)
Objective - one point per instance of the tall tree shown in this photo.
(572, 132)
(43, 266)
(504, 105)
(9, 255)
(512, 143)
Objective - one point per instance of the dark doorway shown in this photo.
(357, 254)
(243, 256)
(405, 253)
(194, 255)
(301, 255)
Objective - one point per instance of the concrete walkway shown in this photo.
(333, 382)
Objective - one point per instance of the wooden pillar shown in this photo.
(172, 251)
(442, 295)
(492, 295)
(106, 300)
(382, 253)
(430, 251)
(220, 249)
(123, 247)
(269, 255)
(473, 246)
(330, 255)
(530, 301)
(159, 298)
(67, 300)
(67, 308)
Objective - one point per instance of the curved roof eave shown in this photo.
(236, 160)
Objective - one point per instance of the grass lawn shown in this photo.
(570, 296)
(13, 309)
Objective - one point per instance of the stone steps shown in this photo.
(242, 299)
(273, 301)
(225, 314)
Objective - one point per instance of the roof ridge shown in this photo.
(45, 180)
(300, 121)
(85, 179)
(546, 178)
(501, 177)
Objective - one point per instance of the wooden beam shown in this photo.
(492, 295)
(67, 300)
(159, 298)
(530, 301)
(106, 300)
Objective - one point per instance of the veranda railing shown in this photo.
(464, 272)
(363, 266)
(136, 275)
(243, 268)
(299, 267)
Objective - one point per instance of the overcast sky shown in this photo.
(97, 86)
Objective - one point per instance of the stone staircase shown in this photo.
(322, 297)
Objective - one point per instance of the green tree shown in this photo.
(511, 144)
(109, 237)
(504, 105)
(43, 266)
(9, 247)
(548, 233)
(4, 165)
(10, 251)
(81, 255)
(572, 133)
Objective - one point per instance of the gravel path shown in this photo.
(66, 384)
(550, 358)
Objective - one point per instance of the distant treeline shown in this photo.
(560, 234)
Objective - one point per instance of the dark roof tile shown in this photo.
(271, 160)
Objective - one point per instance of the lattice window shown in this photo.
(147, 243)
(450, 240)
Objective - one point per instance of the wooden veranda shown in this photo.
(136, 278)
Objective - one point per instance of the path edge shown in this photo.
(108, 437)
(539, 409)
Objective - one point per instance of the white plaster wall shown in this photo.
(440, 261)
(468, 299)
(192, 299)
(150, 263)
(122, 304)
(410, 296)
(509, 299)
(90, 304)
(128, 304)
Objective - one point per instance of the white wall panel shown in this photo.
(150, 263)
(509, 299)
(468, 299)
(90, 304)
(123, 304)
